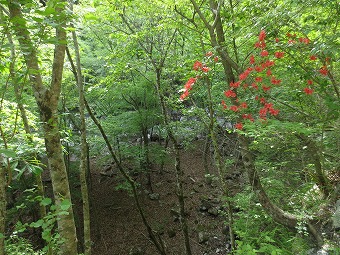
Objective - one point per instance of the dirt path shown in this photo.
(117, 228)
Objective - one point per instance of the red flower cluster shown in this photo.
(275, 81)
(248, 116)
(187, 88)
(252, 59)
(304, 40)
(239, 126)
(223, 104)
(264, 53)
(233, 108)
(308, 91)
(268, 107)
(234, 84)
(279, 54)
(245, 74)
(197, 65)
(229, 93)
(323, 71)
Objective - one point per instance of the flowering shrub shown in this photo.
(260, 75)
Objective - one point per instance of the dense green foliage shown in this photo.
(136, 57)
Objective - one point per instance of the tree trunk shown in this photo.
(2, 208)
(47, 99)
(83, 157)
(220, 167)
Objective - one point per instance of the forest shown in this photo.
(171, 127)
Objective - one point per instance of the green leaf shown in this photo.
(37, 170)
(65, 205)
(46, 201)
(2, 235)
(90, 16)
(8, 153)
(49, 10)
(46, 235)
(37, 224)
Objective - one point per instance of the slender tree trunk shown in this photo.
(2, 208)
(220, 167)
(47, 99)
(83, 146)
(206, 155)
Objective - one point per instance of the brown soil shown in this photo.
(117, 228)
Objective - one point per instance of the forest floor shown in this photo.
(117, 228)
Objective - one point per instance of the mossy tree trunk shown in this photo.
(2, 209)
(47, 98)
(83, 157)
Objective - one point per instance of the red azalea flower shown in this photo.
(269, 72)
(223, 104)
(229, 93)
(275, 81)
(209, 54)
(259, 69)
(279, 54)
(291, 41)
(215, 59)
(234, 108)
(263, 113)
(273, 111)
(190, 82)
(260, 45)
(313, 57)
(258, 79)
(266, 88)
(184, 95)
(248, 116)
(309, 82)
(268, 105)
(262, 35)
(289, 35)
(234, 84)
(262, 100)
(252, 59)
(264, 53)
(205, 69)
(308, 91)
(277, 40)
(243, 105)
(304, 40)
(254, 86)
(243, 76)
(239, 126)
(323, 70)
(268, 63)
(197, 65)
